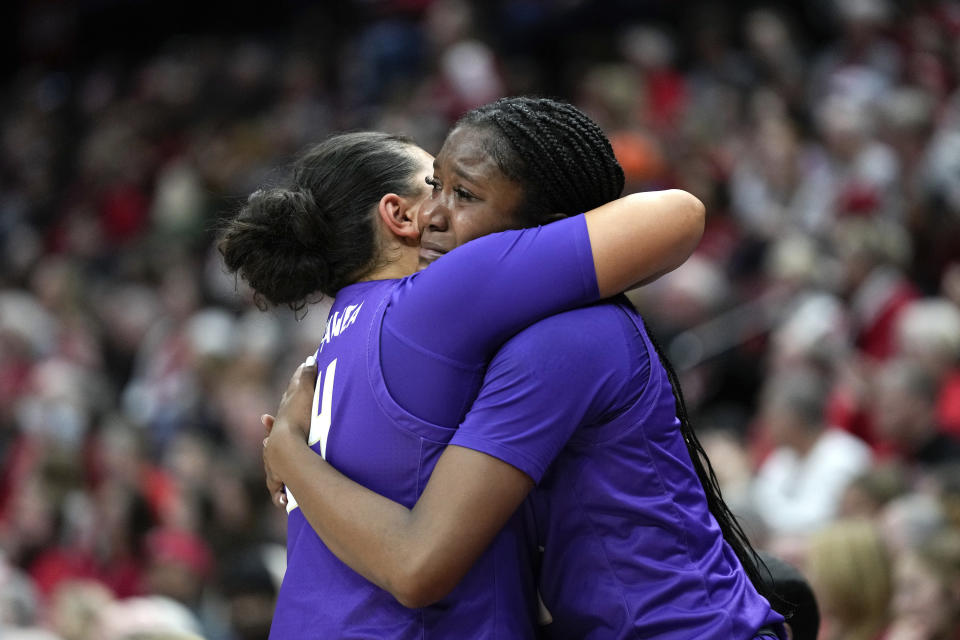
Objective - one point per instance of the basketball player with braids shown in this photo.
(630, 546)
(346, 226)
(613, 452)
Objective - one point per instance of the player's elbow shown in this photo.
(415, 597)
(686, 227)
(420, 586)
(691, 216)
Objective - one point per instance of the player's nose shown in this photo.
(434, 216)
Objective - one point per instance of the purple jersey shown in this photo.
(448, 320)
(630, 547)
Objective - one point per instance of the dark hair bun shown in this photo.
(320, 234)
(277, 244)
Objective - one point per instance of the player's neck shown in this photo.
(399, 261)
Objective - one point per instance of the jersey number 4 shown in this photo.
(322, 413)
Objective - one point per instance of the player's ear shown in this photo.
(398, 216)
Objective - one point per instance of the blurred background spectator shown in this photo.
(849, 569)
(816, 330)
(799, 486)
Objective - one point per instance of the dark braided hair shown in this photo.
(318, 233)
(560, 156)
(565, 164)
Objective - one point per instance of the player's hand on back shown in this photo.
(290, 426)
(297, 400)
(274, 485)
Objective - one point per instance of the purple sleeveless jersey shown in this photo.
(630, 549)
(447, 322)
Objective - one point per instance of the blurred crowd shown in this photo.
(816, 330)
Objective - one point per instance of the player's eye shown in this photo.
(433, 182)
(463, 194)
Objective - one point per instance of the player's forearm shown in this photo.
(642, 236)
(373, 535)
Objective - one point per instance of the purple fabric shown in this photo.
(373, 439)
(630, 548)
(445, 323)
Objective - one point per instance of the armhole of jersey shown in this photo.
(378, 384)
(647, 401)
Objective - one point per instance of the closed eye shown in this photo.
(433, 182)
(463, 194)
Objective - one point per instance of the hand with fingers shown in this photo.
(290, 427)
(275, 486)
